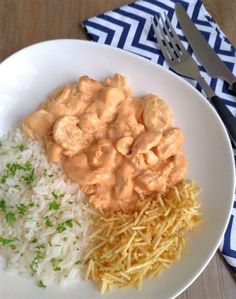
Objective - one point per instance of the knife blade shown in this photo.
(204, 53)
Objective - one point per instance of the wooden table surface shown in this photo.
(25, 22)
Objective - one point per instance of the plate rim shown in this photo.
(175, 77)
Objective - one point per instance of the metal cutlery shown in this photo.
(204, 53)
(179, 59)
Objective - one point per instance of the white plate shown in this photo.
(28, 76)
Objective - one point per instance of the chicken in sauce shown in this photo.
(118, 148)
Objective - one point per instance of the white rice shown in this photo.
(37, 249)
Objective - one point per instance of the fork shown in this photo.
(179, 59)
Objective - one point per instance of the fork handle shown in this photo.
(227, 117)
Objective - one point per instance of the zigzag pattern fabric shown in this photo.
(130, 28)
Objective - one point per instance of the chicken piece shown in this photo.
(156, 115)
(170, 143)
(92, 177)
(128, 204)
(69, 153)
(138, 106)
(145, 142)
(126, 123)
(101, 132)
(53, 150)
(125, 129)
(102, 110)
(102, 154)
(102, 200)
(149, 180)
(73, 165)
(120, 82)
(89, 189)
(179, 170)
(77, 169)
(124, 181)
(151, 158)
(111, 97)
(139, 162)
(124, 187)
(88, 86)
(89, 122)
(54, 95)
(96, 106)
(68, 135)
(38, 124)
(123, 145)
(68, 102)
(79, 161)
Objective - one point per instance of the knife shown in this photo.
(204, 53)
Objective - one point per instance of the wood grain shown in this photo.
(223, 12)
(25, 22)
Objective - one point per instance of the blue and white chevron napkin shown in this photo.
(130, 28)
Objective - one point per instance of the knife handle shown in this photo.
(227, 117)
(234, 87)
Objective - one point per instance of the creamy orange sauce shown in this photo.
(118, 148)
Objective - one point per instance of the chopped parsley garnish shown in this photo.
(10, 217)
(5, 242)
(22, 209)
(29, 177)
(53, 205)
(69, 223)
(12, 168)
(55, 264)
(38, 247)
(13, 246)
(34, 264)
(2, 205)
(85, 202)
(27, 166)
(56, 195)
(45, 173)
(62, 226)
(78, 262)
(34, 240)
(3, 179)
(40, 284)
(19, 147)
(77, 222)
(48, 221)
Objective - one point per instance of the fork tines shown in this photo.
(172, 47)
